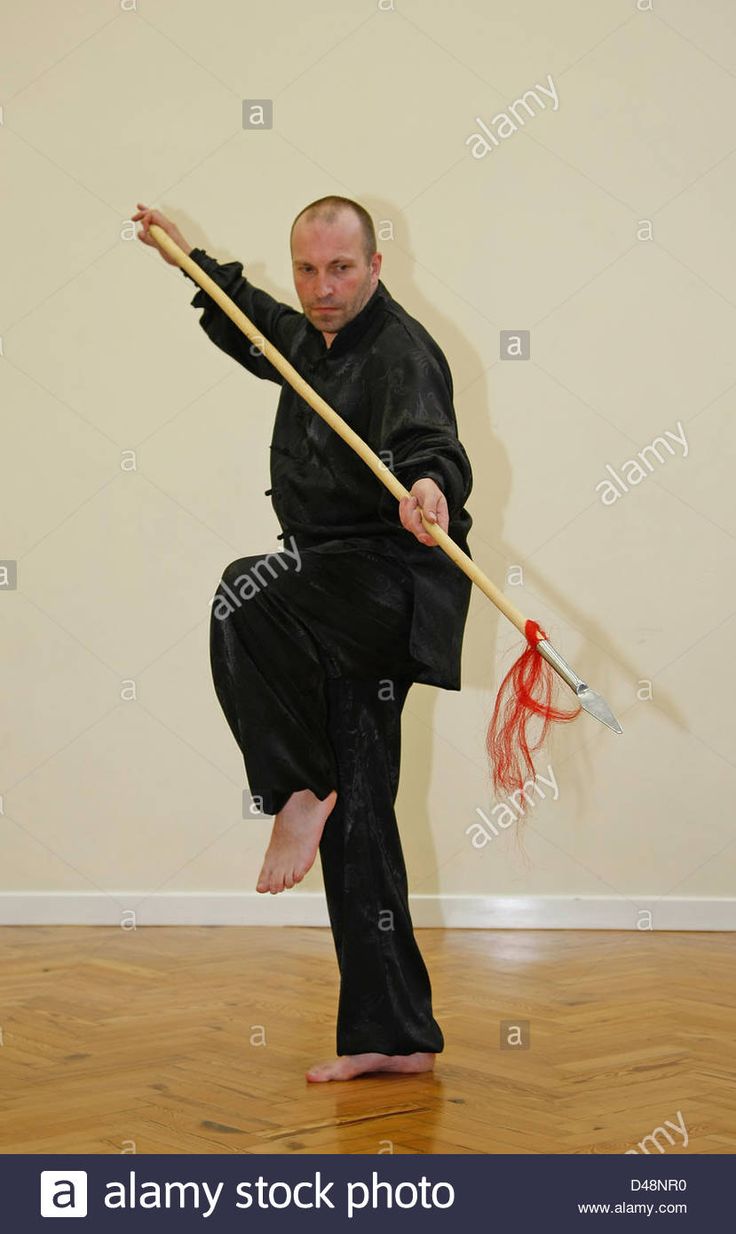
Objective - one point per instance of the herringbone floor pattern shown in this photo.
(195, 1040)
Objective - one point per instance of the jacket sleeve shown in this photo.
(275, 320)
(417, 427)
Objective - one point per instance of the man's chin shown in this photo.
(326, 321)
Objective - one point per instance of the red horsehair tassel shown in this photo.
(525, 692)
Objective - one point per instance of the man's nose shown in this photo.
(324, 288)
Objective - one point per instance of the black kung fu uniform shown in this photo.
(314, 649)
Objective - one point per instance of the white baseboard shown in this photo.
(294, 908)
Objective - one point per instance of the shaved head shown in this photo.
(329, 209)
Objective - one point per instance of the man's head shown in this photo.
(334, 260)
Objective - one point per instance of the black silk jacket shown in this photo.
(387, 377)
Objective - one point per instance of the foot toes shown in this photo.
(316, 1074)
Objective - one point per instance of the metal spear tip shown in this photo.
(588, 699)
(597, 706)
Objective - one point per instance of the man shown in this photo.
(312, 664)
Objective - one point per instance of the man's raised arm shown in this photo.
(275, 320)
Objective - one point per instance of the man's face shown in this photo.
(332, 276)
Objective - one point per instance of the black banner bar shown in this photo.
(361, 1192)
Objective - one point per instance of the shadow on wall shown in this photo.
(491, 487)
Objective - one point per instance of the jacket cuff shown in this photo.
(447, 477)
(426, 473)
(196, 256)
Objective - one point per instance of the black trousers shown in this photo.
(311, 664)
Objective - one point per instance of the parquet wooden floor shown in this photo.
(196, 1040)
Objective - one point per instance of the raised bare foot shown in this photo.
(349, 1065)
(297, 831)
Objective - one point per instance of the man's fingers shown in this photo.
(411, 518)
(416, 514)
(145, 216)
(427, 505)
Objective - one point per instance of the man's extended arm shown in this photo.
(275, 320)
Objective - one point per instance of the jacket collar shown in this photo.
(353, 330)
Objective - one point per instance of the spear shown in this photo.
(526, 690)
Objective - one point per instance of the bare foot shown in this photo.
(297, 831)
(349, 1065)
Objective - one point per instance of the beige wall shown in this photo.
(604, 226)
